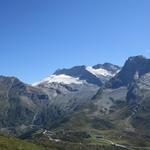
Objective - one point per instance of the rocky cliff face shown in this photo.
(134, 67)
(19, 103)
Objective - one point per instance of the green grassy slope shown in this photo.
(9, 143)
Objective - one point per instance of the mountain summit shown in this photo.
(134, 67)
(96, 75)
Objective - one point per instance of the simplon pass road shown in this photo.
(124, 146)
(114, 144)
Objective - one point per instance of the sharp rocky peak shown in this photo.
(133, 67)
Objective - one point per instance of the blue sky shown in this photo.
(39, 36)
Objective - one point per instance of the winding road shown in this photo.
(124, 146)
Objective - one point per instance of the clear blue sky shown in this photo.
(39, 36)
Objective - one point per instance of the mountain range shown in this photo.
(84, 107)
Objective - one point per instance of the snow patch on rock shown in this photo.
(99, 72)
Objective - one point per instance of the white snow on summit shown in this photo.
(60, 79)
(99, 72)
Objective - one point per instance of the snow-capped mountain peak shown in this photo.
(96, 75)
(62, 78)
